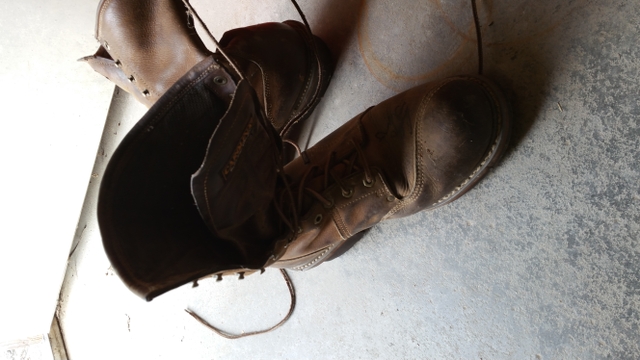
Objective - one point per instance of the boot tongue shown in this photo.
(235, 186)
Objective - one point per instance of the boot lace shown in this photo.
(317, 178)
(316, 95)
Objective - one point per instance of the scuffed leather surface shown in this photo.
(278, 60)
(421, 144)
(366, 207)
(152, 41)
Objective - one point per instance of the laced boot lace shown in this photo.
(318, 177)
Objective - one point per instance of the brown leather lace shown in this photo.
(227, 335)
(266, 126)
(353, 161)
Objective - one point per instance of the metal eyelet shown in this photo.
(146, 93)
(367, 183)
(390, 198)
(318, 219)
(347, 194)
(118, 63)
(330, 205)
(220, 80)
(132, 79)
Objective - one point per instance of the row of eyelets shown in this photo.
(367, 183)
(131, 78)
(329, 205)
(220, 80)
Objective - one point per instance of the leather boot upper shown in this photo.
(279, 62)
(415, 151)
(146, 46)
(147, 42)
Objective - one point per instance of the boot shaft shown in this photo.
(288, 67)
(146, 46)
(158, 229)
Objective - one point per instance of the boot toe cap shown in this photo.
(461, 127)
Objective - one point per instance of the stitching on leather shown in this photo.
(318, 258)
(345, 233)
(298, 258)
(384, 184)
(475, 172)
(342, 226)
(420, 173)
(309, 40)
(305, 38)
(178, 97)
(371, 192)
(492, 151)
(102, 10)
(305, 89)
(267, 92)
(484, 163)
(206, 179)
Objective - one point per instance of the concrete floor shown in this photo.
(52, 111)
(540, 261)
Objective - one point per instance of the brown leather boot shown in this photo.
(152, 231)
(418, 150)
(146, 46)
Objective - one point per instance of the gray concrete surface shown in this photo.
(539, 261)
(52, 112)
(33, 348)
